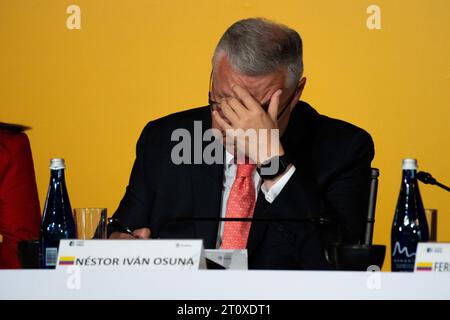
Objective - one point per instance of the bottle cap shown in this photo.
(57, 164)
(409, 164)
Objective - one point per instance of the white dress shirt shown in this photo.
(230, 169)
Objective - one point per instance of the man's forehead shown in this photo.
(260, 87)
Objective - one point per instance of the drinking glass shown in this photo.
(431, 215)
(90, 222)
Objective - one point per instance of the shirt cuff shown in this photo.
(275, 190)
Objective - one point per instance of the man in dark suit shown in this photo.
(319, 167)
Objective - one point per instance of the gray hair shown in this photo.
(258, 46)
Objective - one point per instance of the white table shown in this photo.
(218, 284)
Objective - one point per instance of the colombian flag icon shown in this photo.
(424, 266)
(66, 261)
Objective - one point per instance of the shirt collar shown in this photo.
(229, 159)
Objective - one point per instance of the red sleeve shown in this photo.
(19, 202)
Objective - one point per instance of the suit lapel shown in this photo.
(206, 181)
(296, 141)
(206, 184)
(258, 229)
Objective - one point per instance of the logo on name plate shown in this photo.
(435, 250)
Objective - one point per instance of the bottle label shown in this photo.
(403, 257)
(51, 255)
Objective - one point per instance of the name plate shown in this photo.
(132, 254)
(432, 257)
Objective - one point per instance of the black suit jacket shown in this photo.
(332, 179)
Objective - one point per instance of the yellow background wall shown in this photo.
(88, 93)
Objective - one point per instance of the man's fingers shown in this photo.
(142, 233)
(274, 104)
(245, 97)
(220, 121)
(237, 106)
(121, 236)
(229, 112)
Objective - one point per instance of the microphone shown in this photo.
(427, 178)
(211, 264)
(318, 221)
(321, 221)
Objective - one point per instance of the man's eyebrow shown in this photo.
(220, 96)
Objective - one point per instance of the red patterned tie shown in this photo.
(241, 204)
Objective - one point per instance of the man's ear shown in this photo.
(300, 86)
(299, 90)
